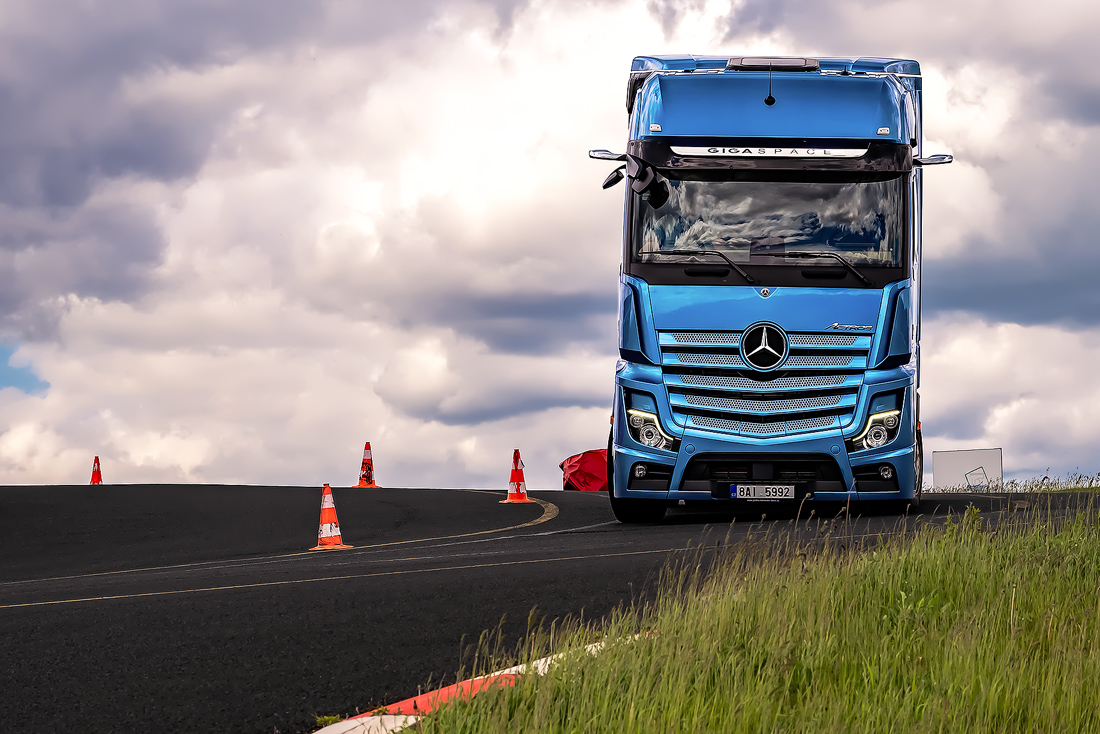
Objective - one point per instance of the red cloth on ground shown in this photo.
(586, 471)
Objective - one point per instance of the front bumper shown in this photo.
(847, 487)
(817, 464)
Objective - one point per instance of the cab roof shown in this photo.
(864, 98)
(851, 64)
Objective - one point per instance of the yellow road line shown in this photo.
(341, 578)
(549, 512)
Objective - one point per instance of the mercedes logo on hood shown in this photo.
(763, 346)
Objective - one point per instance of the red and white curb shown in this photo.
(404, 714)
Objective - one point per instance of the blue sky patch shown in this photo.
(21, 378)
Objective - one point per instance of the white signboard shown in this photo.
(976, 470)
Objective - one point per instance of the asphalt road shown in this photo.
(198, 608)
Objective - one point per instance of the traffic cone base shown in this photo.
(366, 471)
(328, 533)
(517, 485)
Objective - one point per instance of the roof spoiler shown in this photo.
(737, 63)
(772, 63)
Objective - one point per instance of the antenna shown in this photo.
(769, 100)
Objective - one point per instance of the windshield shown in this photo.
(758, 222)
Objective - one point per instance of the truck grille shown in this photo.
(710, 387)
(747, 383)
(740, 404)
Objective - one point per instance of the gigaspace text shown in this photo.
(733, 152)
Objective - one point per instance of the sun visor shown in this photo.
(804, 105)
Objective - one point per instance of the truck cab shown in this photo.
(769, 298)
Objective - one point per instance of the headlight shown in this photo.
(881, 429)
(646, 430)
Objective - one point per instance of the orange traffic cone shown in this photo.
(328, 534)
(517, 486)
(366, 472)
(97, 475)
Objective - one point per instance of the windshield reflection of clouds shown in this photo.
(754, 221)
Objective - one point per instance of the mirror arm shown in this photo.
(933, 160)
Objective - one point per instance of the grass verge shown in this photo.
(954, 628)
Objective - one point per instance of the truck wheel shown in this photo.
(630, 511)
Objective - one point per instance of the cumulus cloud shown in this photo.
(1026, 389)
(415, 254)
(93, 96)
(237, 241)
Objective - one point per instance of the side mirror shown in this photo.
(644, 178)
(933, 160)
(614, 177)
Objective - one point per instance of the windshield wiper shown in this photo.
(732, 264)
(833, 255)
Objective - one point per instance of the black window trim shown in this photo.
(713, 271)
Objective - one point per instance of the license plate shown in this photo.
(762, 491)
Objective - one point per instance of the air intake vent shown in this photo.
(714, 337)
(832, 340)
(816, 360)
(809, 423)
(731, 360)
(746, 383)
(708, 401)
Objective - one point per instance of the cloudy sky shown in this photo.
(239, 239)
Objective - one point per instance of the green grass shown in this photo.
(955, 628)
(1072, 482)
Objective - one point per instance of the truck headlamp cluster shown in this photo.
(881, 429)
(646, 430)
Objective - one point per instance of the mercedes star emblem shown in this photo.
(763, 346)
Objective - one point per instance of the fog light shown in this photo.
(637, 420)
(890, 421)
(886, 471)
(639, 470)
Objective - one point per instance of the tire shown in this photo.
(630, 511)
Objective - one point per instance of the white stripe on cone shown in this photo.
(326, 501)
(328, 530)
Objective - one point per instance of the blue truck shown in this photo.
(769, 307)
